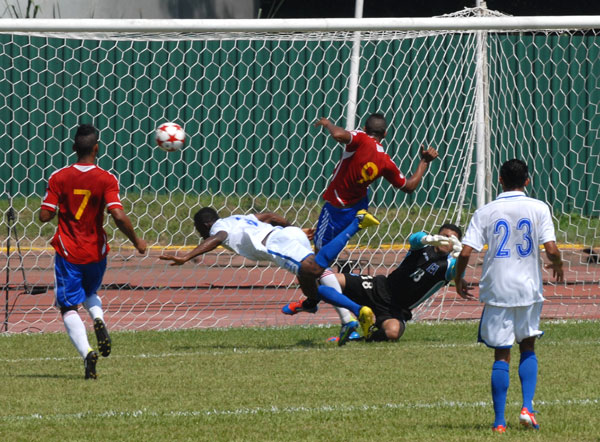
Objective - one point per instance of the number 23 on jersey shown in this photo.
(524, 244)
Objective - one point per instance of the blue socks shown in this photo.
(333, 297)
(500, 382)
(332, 249)
(528, 368)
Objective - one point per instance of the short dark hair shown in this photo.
(514, 173)
(452, 227)
(203, 216)
(85, 139)
(376, 125)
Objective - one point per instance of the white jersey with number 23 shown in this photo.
(513, 226)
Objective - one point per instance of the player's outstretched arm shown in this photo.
(462, 288)
(556, 262)
(427, 156)
(278, 220)
(273, 219)
(435, 240)
(210, 243)
(124, 224)
(339, 134)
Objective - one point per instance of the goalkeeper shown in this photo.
(428, 266)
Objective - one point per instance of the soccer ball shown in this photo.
(170, 137)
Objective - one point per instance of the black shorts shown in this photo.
(372, 291)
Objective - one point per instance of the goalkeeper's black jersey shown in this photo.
(420, 275)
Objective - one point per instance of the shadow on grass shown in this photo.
(46, 376)
(303, 343)
(484, 428)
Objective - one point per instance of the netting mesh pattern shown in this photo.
(247, 105)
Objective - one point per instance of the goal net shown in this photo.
(479, 87)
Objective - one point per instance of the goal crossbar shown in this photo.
(301, 25)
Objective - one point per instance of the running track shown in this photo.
(222, 290)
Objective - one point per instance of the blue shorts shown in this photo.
(73, 283)
(333, 220)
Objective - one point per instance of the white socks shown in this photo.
(93, 304)
(76, 331)
(329, 279)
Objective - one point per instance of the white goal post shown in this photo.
(479, 86)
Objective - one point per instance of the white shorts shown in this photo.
(288, 247)
(501, 326)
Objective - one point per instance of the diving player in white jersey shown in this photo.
(269, 237)
(513, 227)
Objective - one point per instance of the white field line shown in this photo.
(274, 410)
(250, 351)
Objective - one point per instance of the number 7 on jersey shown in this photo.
(86, 197)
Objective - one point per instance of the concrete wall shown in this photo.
(133, 8)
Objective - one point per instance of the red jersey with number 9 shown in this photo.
(80, 192)
(363, 161)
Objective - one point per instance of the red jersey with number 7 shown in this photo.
(363, 161)
(80, 192)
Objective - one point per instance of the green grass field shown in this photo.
(289, 384)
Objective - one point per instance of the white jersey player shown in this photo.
(269, 237)
(260, 241)
(513, 227)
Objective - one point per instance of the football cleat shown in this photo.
(346, 332)
(365, 219)
(90, 365)
(102, 336)
(297, 307)
(366, 319)
(527, 419)
(354, 336)
(499, 429)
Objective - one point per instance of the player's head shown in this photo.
(514, 174)
(86, 140)
(449, 229)
(204, 219)
(376, 126)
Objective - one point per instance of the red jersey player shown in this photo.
(80, 193)
(363, 161)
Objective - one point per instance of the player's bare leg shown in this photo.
(308, 285)
(308, 276)
(391, 330)
(316, 265)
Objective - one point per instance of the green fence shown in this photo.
(248, 108)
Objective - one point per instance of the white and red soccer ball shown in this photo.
(170, 137)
